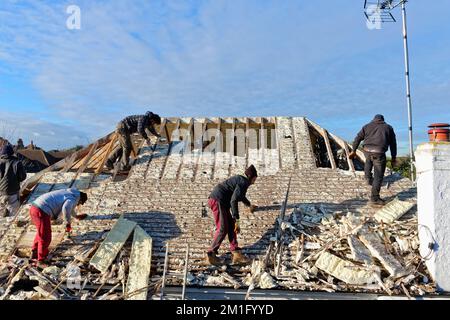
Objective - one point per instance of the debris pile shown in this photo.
(312, 249)
(319, 250)
(104, 270)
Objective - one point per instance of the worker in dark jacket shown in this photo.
(378, 136)
(223, 202)
(12, 174)
(125, 128)
(49, 207)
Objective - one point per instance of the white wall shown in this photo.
(433, 201)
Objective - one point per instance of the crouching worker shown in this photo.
(49, 207)
(223, 198)
(127, 127)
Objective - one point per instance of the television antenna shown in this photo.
(378, 12)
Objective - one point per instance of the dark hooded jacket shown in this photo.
(12, 174)
(378, 136)
(138, 124)
(230, 192)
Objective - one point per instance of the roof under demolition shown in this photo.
(328, 239)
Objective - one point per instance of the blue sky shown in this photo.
(317, 59)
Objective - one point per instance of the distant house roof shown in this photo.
(31, 166)
(60, 154)
(38, 155)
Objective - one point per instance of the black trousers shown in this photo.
(377, 162)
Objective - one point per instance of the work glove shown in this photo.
(253, 208)
(352, 155)
(81, 216)
(393, 163)
(237, 228)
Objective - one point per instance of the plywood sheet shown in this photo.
(111, 246)
(140, 264)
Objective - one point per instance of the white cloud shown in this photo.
(45, 134)
(208, 58)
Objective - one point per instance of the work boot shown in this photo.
(124, 167)
(34, 255)
(377, 202)
(42, 264)
(213, 259)
(239, 258)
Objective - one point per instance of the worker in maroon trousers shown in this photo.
(49, 207)
(223, 202)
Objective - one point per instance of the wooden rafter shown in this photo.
(233, 135)
(205, 134)
(219, 140)
(110, 148)
(247, 141)
(97, 157)
(166, 131)
(344, 145)
(87, 158)
(69, 163)
(177, 128)
(191, 137)
(262, 139)
(324, 134)
(32, 181)
(350, 161)
(318, 128)
(278, 141)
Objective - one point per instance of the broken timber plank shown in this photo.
(344, 145)
(393, 211)
(114, 241)
(140, 264)
(359, 251)
(350, 161)
(344, 270)
(377, 248)
(69, 163)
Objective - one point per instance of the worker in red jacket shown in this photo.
(49, 207)
(223, 202)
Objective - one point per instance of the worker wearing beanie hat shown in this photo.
(12, 174)
(223, 202)
(251, 172)
(125, 129)
(378, 137)
(6, 150)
